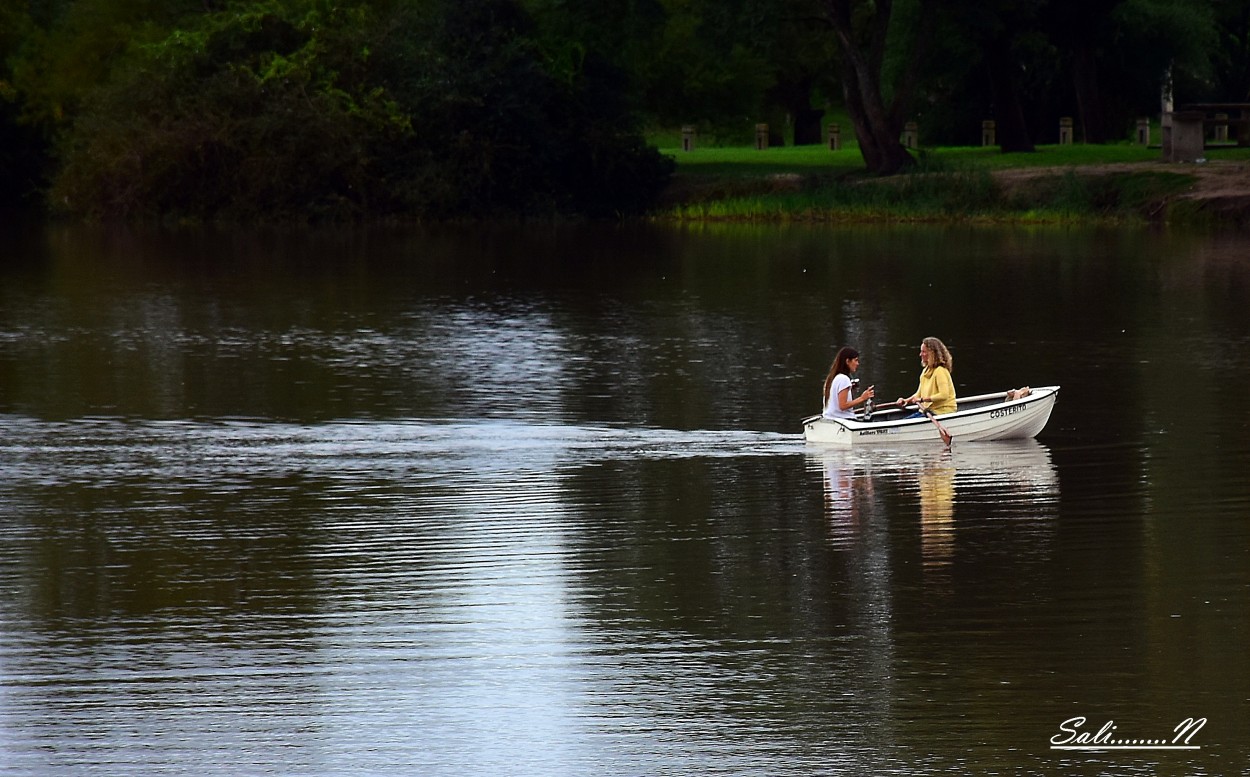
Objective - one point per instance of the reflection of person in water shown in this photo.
(848, 496)
(838, 479)
(937, 510)
(862, 571)
(863, 522)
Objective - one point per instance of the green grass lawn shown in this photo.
(812, 183)
(748, 162)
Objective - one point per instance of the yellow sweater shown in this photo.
(936, 385)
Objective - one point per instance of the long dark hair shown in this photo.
(840, 362)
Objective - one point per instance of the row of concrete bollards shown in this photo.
(911, 134)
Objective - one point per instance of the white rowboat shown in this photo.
(983, 417)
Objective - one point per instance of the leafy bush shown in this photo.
(495, 129)
(314, 110)
(243, 117)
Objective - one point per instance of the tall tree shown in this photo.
(1233, 73)
(1079, 29)
(1117, 52)
(720, 64)
(804, 78)
(1012, 129)
(999, 30)
(23, 148)
(881, 53)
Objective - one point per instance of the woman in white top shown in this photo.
(838, 401)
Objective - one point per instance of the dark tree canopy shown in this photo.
(328, 109)
(317, 110)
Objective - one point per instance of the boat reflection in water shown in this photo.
(988, 482)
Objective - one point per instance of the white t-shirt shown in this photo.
(841, 382)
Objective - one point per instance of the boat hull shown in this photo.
(984, 417)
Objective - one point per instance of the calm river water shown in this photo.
(533, 501)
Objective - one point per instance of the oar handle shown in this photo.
(885, 405)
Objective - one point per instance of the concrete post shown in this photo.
(835, 137)
(1143, 132)
(1065, 131)
(1183, 140)
(761, 137)
(1221, 128)
(988, 133)
(911, 135)
(687, 138)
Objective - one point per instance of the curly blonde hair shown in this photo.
(941, 355)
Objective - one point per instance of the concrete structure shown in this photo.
(911, 135)
(1065, 131)
(1223, 121)
(1220, 128)
(1183, 137)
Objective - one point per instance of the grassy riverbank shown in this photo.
(1075, 183)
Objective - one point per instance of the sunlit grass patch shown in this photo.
(812, 183)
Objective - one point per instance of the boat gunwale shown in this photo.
(856, 424)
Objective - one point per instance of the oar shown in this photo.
(886, 405)
(946, 436)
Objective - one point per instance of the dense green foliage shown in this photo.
(315, 109)
(322, 110)
(22, 150)
(947, 64)
(244, 113)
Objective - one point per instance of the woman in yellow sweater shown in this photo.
(937, 390)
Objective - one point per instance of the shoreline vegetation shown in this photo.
(256, 112)
(1104, 184)
(1078, 184)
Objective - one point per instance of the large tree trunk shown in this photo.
(796, 98)
(1089, 105)
(863, 51)
(807, 129)
(1012, 129)
(878, 137)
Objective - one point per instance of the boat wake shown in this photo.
(119, 448)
